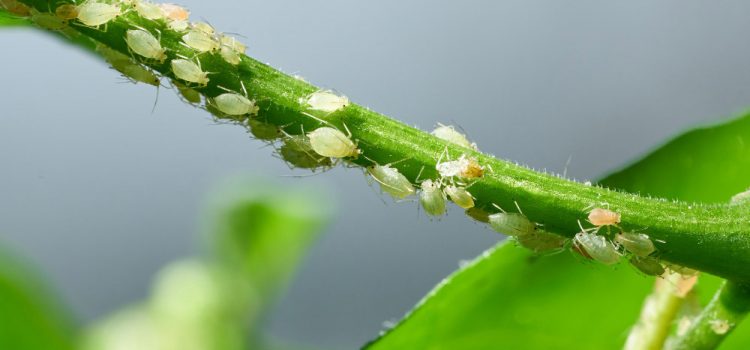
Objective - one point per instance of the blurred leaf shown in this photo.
(708, 164)
(507, 300)
(30, 318)
(260, 233)
(9, 20)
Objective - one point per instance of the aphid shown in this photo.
(329, 142)
(136, 72)
(94, 14)
(298, 152)
(648, 265)
(190, 95)
(326, 101)
(512, 224)
(175, 12)
(231, 103)
(67, 12)
(204, 27)
(391, 180)
(229, 55)
(478, 214)
(145, 44)
(178, 26)
(540, 241)
(189, 71)
(720, 326)
(449, 133)
(637, 243)
(16, 8)
(48, 21)
(200, 41)
(432, 198)
(597, 247)
(741, 198)
(603, 217)
(682, 270)
(460, 196)
(464, 167)
(232, 43)
(148, 10)
(262, 130)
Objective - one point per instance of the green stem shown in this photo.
(729, 306)
(712, 238)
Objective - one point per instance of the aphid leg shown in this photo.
(156, 100)
(498, 208)
(519, 208)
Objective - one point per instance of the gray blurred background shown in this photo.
(101, 192)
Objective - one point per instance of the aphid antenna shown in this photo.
(519, 208)
(156, 100)
(419, 174)
(499, 208)
(319, 120)
(567, 164)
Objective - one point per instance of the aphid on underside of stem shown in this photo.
(512, 224)
(391, 181)
(190, 72)
(329, 142)
(432, 198)
(460, 196)
(540, 241)
(637, 243)
(596, 247)
(297, 151)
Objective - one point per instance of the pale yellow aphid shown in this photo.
(67, 11)
(639, 244)
(148, 10)
(720, 326)
(94, 14)
(597, 247)
(329, 142)
(200, 41)
(178, 26)
(231, 103)
(229, 55)
(449, 133)
(189, 72)
(460, 196)
(326, 101)
(48, 21)
(432, 198)
(232, 43)
(464, 167)
(204, 27)
(145, 44)
(175, 12)
(298, 152)
(603, 217)
(391, 181)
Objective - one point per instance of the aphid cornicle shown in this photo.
(67, 11)
(512, 224)
(637, 243)
(391, 181)
(298, 152)
(541, 241)
(94, 14)
(145, 44)
(449, 133)
(326, 101)
(648, 265)
(234, 104)
(189, 72)
(603, 217)
(329, 142)
(432, 198)
(597, 247)
(460, 196)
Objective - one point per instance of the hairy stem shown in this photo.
(716, 321)
(692, 235)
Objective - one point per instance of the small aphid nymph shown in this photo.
(234, 104)
(190, 95)
(541, 241)
(204, 27)
(603, 217)
(175, 12)
(67, 12)
(432, 198)
(449, 133)
(229, 55)
(145, 44)
(263, 131)
(597, 247)
(200, 41)
(148, 10)
(391, 181)
(232, 43)
(190, 72)
(637, 243)
(329, 142)
(298, 152)
(512, 224)
(648, 265)
(94, 14)
(720, 326)
(460, 196)
(48, 21)
(136, 73)
(326, 101)
(464, 167)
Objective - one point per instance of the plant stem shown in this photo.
(692, 235)
(727, 309)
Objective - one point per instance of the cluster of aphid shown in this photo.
(324, 146)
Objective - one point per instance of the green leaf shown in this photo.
(30, 317)
(508, 299)
(9, 20)
(706, 165)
